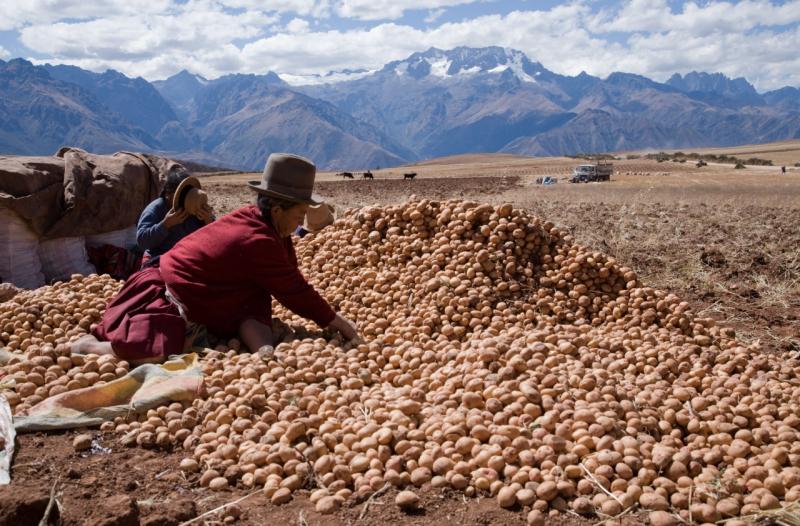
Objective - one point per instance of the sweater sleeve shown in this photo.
(274, 271)
(151, 232)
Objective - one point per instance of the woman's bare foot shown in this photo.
(90, 345)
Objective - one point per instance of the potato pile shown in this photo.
(35, 324)
(499, 358)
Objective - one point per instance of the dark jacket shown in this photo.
(155, 238)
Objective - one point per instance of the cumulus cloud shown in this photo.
(748, 39)
(297, 25)
(766, 58)
(4, 53)
(322, 51)
(561, 42)
(753, 38)
(199, 26)
(18, 13)
(710, 18)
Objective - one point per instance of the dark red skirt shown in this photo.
(140, 322)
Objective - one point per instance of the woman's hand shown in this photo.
(345, 326)
(175, 217)
(205, 214)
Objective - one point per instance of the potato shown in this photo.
(327, 505)
(407, 500)
(82, 442)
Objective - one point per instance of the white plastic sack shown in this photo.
(7, 437)
(124, 238)
(64, 257)
(19, 258)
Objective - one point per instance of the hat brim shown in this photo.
(190, 181)
(314, 200)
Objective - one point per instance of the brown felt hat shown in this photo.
(318, 217)
(288, 177)
(178, 200)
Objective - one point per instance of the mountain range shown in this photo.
(433, 103)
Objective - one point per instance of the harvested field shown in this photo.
(347, 194)
(634, 181)
(508, 363)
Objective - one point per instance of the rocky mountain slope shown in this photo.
(433, 103)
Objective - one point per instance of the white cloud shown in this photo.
(560, 41)
(737, 39)
(711, 17)
(765, 58)
(297, 25)
(434, 15)
(18, 13)
(199, 26)
(4, 53)
(388, 9)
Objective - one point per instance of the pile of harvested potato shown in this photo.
(499, 358)
(35, 323)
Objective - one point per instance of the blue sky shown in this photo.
(298, 39)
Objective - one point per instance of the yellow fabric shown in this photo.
(145, 387)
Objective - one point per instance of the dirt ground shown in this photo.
(726, 240)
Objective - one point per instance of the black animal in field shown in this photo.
(345, 175)
(411, 175)
(368, 175)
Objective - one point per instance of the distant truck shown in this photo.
(590, 173)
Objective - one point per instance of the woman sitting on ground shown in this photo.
(222, 278)
(167, 220)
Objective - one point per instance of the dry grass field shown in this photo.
(727, 241)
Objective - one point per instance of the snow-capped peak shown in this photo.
(463, 61)
(440, 67)
(516, 64)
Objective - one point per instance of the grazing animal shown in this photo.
(345, 175)
(411, 175)
(368, 175)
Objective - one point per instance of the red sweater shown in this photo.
(229, 271)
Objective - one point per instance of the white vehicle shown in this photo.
(587, 173)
